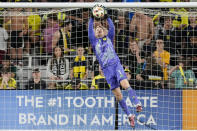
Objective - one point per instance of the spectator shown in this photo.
(19, 29)
(7, 22)
(191, 29)
(95, 69)
(62, 37)
(128, 73)
(58, 67)
(191, 51)
(36, 82)
(3, 41)
(192, 23)
(180, 18)
(131, 81)
(166, 33)
(157, 21)
(142, 29)
(188, 73)
(79, 68)
(122, 35)
(148, 78)
(76, 84)
(73, 22)
(151, 76)
(6, 82)
(51, 27)
(34, 25)
(136, 83)
(162, 57)
(135, 58)
(6, 63)
(179, 23)
(99, 81)
(79, 31)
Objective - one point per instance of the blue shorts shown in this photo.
(114, 74)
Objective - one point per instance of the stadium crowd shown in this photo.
(39, 51)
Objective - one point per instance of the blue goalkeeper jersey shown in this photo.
(103, 47)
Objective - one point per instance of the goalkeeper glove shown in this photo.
(105, 14)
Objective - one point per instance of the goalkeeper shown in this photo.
(101, 40)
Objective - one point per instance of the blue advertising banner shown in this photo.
(86, 110)
(56, 109)
(162, 110)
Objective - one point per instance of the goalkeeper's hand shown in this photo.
(105, 13)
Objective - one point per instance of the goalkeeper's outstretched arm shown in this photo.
(111, 32)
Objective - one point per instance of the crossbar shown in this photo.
(106, 4)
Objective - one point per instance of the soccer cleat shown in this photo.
(139, 108)
(132, 120)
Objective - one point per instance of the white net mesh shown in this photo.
(49, 50)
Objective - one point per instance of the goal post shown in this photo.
(55, 88)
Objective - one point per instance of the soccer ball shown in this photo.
(98, 12)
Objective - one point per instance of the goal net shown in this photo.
(51, 78)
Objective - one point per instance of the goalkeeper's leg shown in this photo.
(119, 97)
(121, 76)
(132, 94)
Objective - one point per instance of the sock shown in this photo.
(124, 107)
(133, 96)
